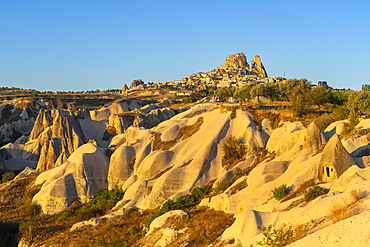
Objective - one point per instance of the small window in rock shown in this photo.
(327, 169)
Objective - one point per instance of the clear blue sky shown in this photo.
(84, 45)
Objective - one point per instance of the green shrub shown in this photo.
(275, 237)
(29, 231)
(280, 192)
(339, 113)
(323, 121)
(135, 229)
(233, 148)
(8, 176)
(220, 186)
(32, 209)
(188, 100)
(33, 192)
(88, 214)
(183, 202)
(104, 200)
(314, 192)
(138, 236)
(65, 215)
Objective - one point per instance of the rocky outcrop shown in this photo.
(136, 83)
(257, 68)
(334, 161)
(124, 88)
(57, 132)
(15, 122)
(79, 179)
(237, 63)
(118, 123)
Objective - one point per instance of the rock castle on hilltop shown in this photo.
(234, 72)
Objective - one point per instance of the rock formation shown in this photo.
(237, 63)
(124, 88)
(257, 68)
(136, 83)
(58, 133)
(79, 179)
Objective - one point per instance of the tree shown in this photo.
(319, 96)
(224, 92)
(358, 102)
(365, 87)
(243, 93)
(297, 91)
(258, 91)
(271, 91)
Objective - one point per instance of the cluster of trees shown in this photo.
(297, 91)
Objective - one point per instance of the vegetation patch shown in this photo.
(301, 189)
(324, 121)
(314, 192)
(183, 202)
(275, 237)
(161, 173)
(234, 152)
(186, 163)
(183, 133)
(220, 186)
(197, 112)
(203, 226)
(30, 231)
(132, 163)
(7, 177)
(280, 192)
(104, 200)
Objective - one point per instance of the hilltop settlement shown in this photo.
(229, 157)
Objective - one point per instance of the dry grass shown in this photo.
(338, 213)
(183, 133)
(161, 173)
(186, 163)
(299, 191)
(357, 195)
(238, 187)
(204, 226)
(300, 232)
(197, 112)
(136, 142)
(132, 163)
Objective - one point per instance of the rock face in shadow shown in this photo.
(335, 160)
(118, 123)
(57, 132)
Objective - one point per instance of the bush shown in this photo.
(188, 100)
(220, 186)
(275, 237)
(32, 209)
(29, 231)
(183, 202)
(314, 192)
(233, 148)
(87, 214)
(104, 200)
(135, 229)
(323, 121)
(33, 192)
(7, 177)
(280, 192)
(65, 215)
